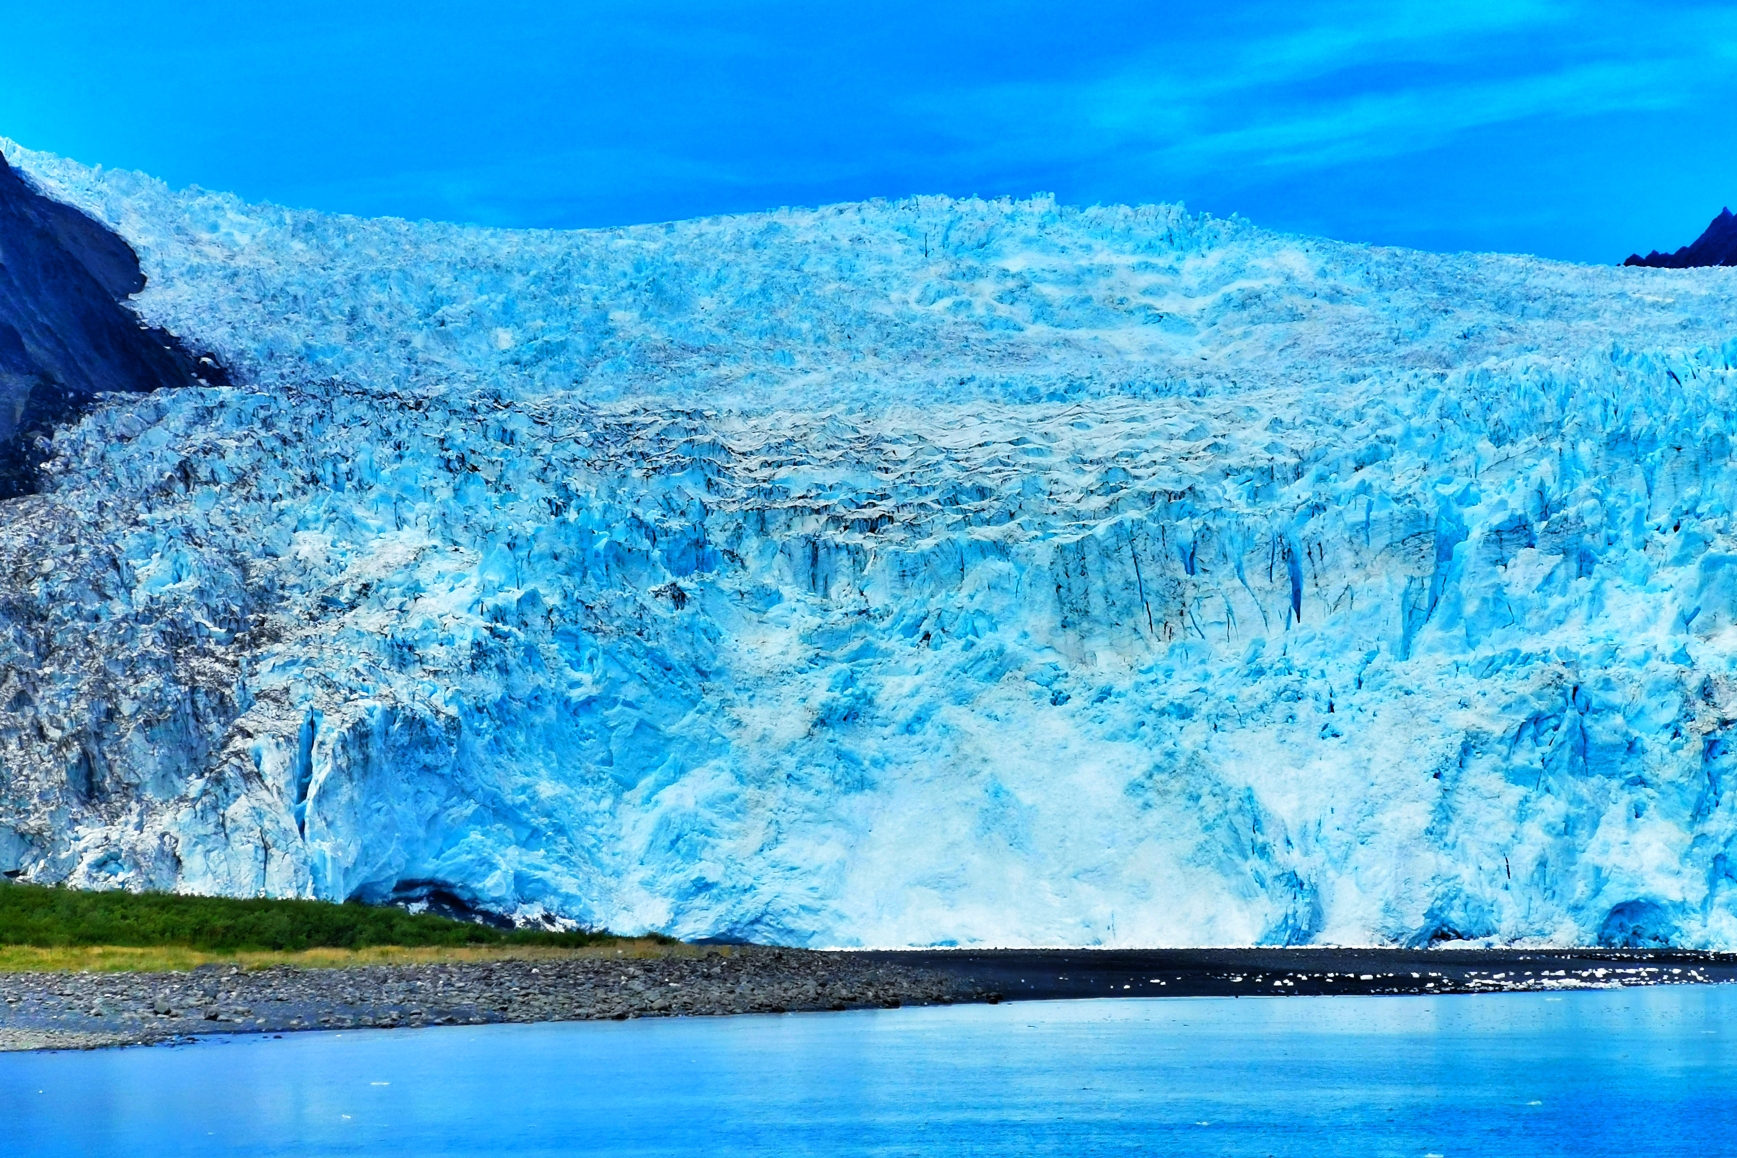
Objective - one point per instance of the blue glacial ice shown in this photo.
(915, 572)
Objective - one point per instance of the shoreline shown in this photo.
(98, 1010)
(1047, 974)
(94, 1010)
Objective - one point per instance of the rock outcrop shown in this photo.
(1717, 246)
(67, 332)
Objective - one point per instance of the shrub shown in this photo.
(60, 917)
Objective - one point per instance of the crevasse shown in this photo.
(911, 573)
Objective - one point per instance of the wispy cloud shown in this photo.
(1358, 81)
(1579, 127)
(1366, 125)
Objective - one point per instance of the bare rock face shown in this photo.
(1717, 246)
(66, 331)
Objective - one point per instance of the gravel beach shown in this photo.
(1051, 974)
(88, 1010)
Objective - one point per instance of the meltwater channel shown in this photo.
(1636, 1071)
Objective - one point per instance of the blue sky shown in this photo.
(1575, 130)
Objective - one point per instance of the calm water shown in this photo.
(1649, 1072)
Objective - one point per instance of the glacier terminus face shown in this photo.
(905, 573)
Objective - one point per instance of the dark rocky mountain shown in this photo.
(66, 330)
(1717, 246)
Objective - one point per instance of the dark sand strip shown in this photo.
(1030, 974)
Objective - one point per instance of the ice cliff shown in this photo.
(898, 573)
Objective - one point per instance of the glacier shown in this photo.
(918, 572)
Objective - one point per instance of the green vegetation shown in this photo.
(58, 918)
(175, 959)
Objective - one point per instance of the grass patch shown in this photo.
(176, 959)
(38, 922)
